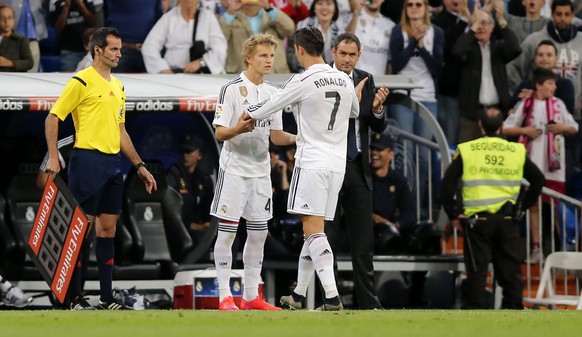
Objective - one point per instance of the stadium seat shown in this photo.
(50, 63)
(546, 293)
(154, 222)
(50, 45)
(8, 247)
(124, 268)
(22, 200)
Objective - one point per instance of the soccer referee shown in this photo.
(491, 170)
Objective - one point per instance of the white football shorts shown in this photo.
(237, 196)
(314, 192)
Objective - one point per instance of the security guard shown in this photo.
(491, 170)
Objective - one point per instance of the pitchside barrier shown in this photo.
(57, 235)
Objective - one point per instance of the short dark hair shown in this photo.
(561, 3)
(311, 39)
(99, 38)
(491, 120)
(540, 75)
(547, 43)
(347, 37)
(335, 13)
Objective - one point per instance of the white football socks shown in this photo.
(253, 258)
(223, 257)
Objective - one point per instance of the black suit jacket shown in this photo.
(367, 120)
(468, 51)
(453, 28)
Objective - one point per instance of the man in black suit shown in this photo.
(355, 200)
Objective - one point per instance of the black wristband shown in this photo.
(139, 165)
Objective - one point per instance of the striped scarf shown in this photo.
(553, 151)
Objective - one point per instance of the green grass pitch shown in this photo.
(389, 323)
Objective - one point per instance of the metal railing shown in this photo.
(562, 233)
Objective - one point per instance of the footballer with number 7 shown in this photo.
(324, 99)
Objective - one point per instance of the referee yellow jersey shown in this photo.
(98, 107)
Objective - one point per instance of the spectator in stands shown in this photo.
(31, 23)
(323, 14)
(344, 8)
(244, 18)
(123, 15)
(87, 60)
(568, 42)
(14, 48)
(564, 34)
(541, 121)
(168, 49)
(394, 9)
(195, 186)
(214, 6)
(374, 30)
(483, 76)
(453, 21)
(70, 19)
(416, 47)
(546, 56)
(12, 296)
(99, 13)
(295, 9)
(531, 23)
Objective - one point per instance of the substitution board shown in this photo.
(57, 235)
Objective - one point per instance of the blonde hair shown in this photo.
(250, 45)
(405, 20)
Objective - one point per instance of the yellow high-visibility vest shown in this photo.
(492, 173)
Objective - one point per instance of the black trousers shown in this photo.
(493, 238)
(356, 201)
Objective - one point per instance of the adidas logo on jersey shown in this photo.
(306, 258)
(325, 252)
(246, 102)
(305, 206)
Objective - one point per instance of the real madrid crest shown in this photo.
(223, 209)
(392, 188)
(243, 90)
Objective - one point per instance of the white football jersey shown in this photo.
(374, 34)
(325, 100)
(247, 154)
